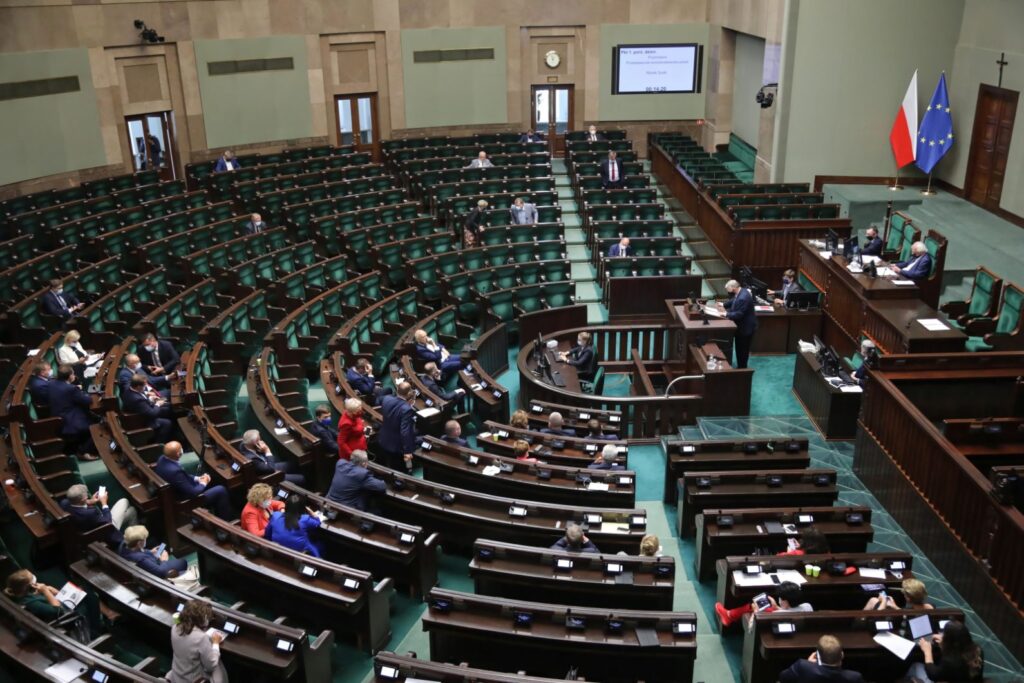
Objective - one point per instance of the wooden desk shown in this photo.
(714, 542)
(490, 359)
(833, 410)
(409, 668)
(895, 328)
(838, 592)
(480, 630)
(780, 330)
(688, 327)
(723, 454)
(750, 489)
(529, 573)
(574, 418)
(639, 297)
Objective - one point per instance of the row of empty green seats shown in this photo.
(624, 195)
(412, 168)
(34, 274)
(145, 248)
(440, 140)
(304, 284)
(348, 195)
(112, 315)
(507, 234)
(203, 263)
(94, 188)
(719, 189)
(248, 189)
(632, 266)
(421, 183)
(727, 200)
(391, 258)
(463, 289)
(357, 242)
(237, 330)
(600, 147)
(506, 305)
(490, 186)
(136, 238)
(466, 151)
(658, 227)
(326, 220)
(774, 212)
(373, 331)
(263, 270)
(622, 212)
(198, 171)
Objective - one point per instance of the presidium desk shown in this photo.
(889, 314)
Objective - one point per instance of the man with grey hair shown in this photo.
(264, 461)
(481, 161)
(740, 309)
(523, 212)
(474, 224)
(869, 357)
(575, 540)
(918, 267)
(89, 512)
(556, 425)
(605, 459)
(353, 483)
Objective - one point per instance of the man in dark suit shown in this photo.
(531, 136)
(186, 486)
(556, 425)
(453, 433)
(255, 449)
(431, 378)
(873, 243)
(611, 172)
(72, 405)
(429, 350)
(396, 439)
(133, 366)
(919, 267)
(593, 135)
(824, 665)
(594, 431)
(353, 482)
(605, 459)
(321, 428)
(143, 400)
(58, 303)
(581, 357)
(89, 513)
(869, 356)
(740, 309)
(255, 225)
(789, 284)
(474, 225)
(226, 162)
(360, 377)
(158, 356)
(575, 540)
(621, 248)
(39, 385)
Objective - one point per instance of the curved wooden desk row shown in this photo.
(389, 666)
(724, 532)
(454, 465)
(573, 417)
(699, 491)
(295, 584)
(683, 456)
(30, 646)
(613, 645)
(461, 516)
(737, 586)
(253, 645)
(561, 576)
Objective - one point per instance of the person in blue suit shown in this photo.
(134, 549)
(226, 162)
(158, 356)
(321, 428)
(872, 243)
(264, 460)
(594, 431)
(581, 357)
(620, 249)
(353, 482)
(292, 527)
(156, 410)
(556, 425)
(429, 350)
(58, 303)
(255, 224)
(605, 459)
(186, 486)
(89, 512)
(918, 267)
(824, 665)
(360, 377)
(531, 136)
(39, 384)
(133, 366)
(740, 309)
(431, 378)
(396, 439)
(72, 405)
(453, 434)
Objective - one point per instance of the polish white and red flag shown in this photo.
(903, 136)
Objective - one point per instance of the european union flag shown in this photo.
(935, 135)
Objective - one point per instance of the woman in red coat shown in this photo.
(351, 429)
(259, 504)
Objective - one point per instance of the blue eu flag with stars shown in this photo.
(935, 134)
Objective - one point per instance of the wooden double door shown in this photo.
(990, 145)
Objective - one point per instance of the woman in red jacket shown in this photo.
(351, 429)
(259, 505)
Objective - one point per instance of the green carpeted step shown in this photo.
(692, 233)
(564, 192)
(577, 252)
(583, 272)
(714, 267)
(704, 250)
(597, 314)
(575, 236)
(587, 292)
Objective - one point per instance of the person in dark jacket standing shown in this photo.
(397, 439)
(740, 309)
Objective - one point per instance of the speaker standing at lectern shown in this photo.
(740, 309)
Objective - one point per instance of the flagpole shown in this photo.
(928, 191)
(896, 181)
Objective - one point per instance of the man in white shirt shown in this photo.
(481, 161)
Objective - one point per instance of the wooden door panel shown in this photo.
(990, 145)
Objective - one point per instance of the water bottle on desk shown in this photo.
(712, 364)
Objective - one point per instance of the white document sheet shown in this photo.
(898, 645)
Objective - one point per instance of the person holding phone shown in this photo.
(787, 598)
(824, 664)
(196, 651)
(914, 592)
(157, 561)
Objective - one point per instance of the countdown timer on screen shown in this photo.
(652, 69)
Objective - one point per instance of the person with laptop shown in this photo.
(824, 664)
(949, 656)
(789, 284)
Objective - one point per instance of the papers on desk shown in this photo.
(483, 435)
(90, 372)
(93, 358)
(281, 431)
(70, 594)
(597, 486)
(32, 352)
(428, 412)
(869, 573)
(764, 309)
(490, 470)
(211, 632)
(791, 575)
(614, 528)
(933, 324)
(713, 311)
(825, 255)
(744, 580)
(898, 645)
(870, 259)
(903, 283)
(886, 271)
(851, 389)
(66, 670)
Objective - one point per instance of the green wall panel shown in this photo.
(49, 134)
(259, 106)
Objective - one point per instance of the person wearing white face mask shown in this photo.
(158, 356)
(259, 505)
(133, 366)
(58, 303)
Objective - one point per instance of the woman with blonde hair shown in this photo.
(196, 653)
(260, 504)
(520, 420)
(913, 591)
(72, 353)
(650, 546)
